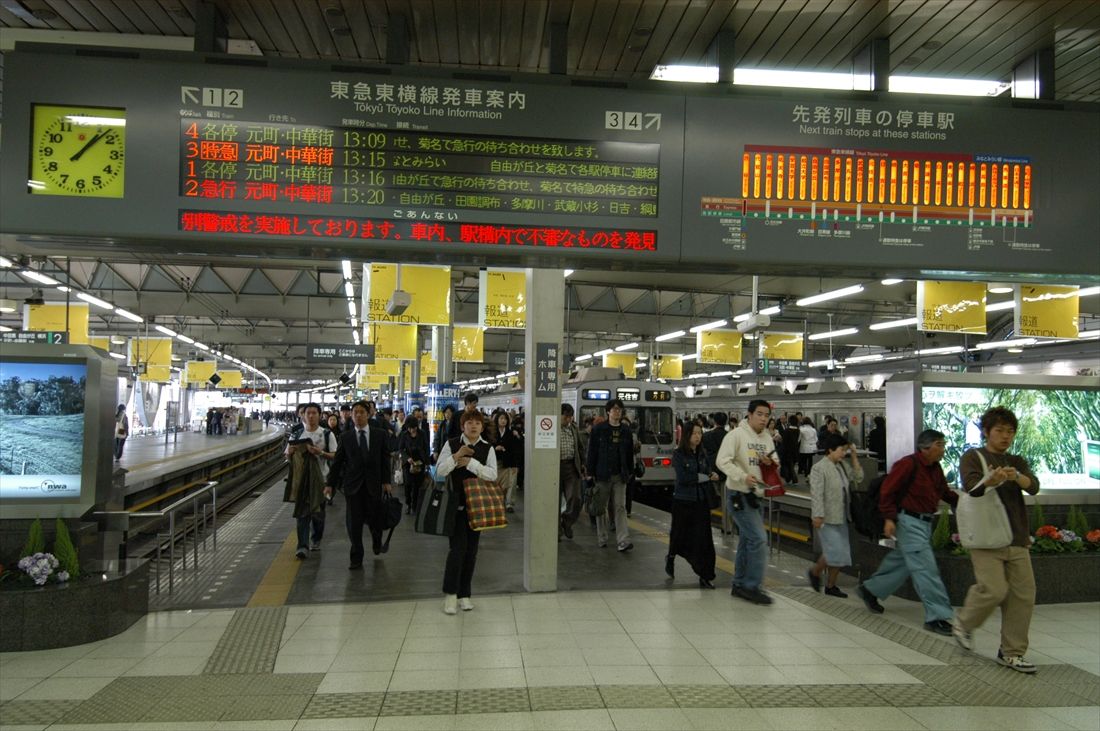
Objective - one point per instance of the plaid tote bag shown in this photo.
(484, 504)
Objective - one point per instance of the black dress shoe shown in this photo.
(568, 531)
(385, 548)
(939, 626)
(835, 591)
(869, 599)
(377, 548)
(815, 581)
(670, 567)
(705, 583)
(356, 566)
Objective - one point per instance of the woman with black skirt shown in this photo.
(690, 535)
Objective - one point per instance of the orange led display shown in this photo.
(983, 181)
(790, 177)
(756, 175)
(813, 178)
(1027, 186)
(904, 181)
(859, 179)
(825, 171)
(745, 175)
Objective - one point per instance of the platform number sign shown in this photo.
(631, 121)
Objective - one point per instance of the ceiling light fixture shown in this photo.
(789, 78)
(821, 363)
(999, 289)
(32, 274)
(863, 358)
(345, 265)
(670, 336)
(826, 296)
(833, 334)
(581, 358)
(129, 315)
(7, 306)
(744, 371)
(993, 345)
(709, 326)
(568, 272)
(94, 300)
(183, 338)
(684, 72)
(941, 351)
(628, 346)
(944, 86)
(6, 263)
(689, 356)
(1087, 291)
(998, 306)
(889, 282)
(894, 323)
(601, 353)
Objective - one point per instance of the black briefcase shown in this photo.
(435, 515)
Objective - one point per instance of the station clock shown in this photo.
(78, 151)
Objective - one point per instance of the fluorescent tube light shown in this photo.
(833, 334)
(32, 274)
(200, 346)
(721, 374)
(1017, 343)
(670, 336)
(796, 79)
(6, 263)
(601, 353)
(825, 296)
(889, 282)
(63, 288)
(773, 310)
(117, 356)
(744, 371)
(94, 300)
(1087, 291)
(1092, 334)
(708, 326)
(5, 329)
(346, 266)
(999, 289)
(998, 306)
(683, 72)
(185, 339)
(581, 358)
(129, 315)
(863, 358)
(894, 323)
(941, 351)
(628, 346)
(820, 363)
(349, 290)
(351, 308)
(689, 356)
(944, 86)
(568, 272)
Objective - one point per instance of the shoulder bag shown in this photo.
(435, 515)
(983, 521)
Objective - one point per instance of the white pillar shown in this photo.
(545, 328)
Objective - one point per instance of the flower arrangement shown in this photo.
(40, 567)
(1092, 540)
(1049, 539)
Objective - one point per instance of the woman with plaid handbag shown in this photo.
(464, 457)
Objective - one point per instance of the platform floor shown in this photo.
(270, 642)
(147, 459)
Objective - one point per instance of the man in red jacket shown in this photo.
(908, 502)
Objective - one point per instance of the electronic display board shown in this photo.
(912, 183)
(341, 158)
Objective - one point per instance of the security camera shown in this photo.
(399, 302)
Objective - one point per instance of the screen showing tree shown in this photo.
(1055, 428)
(41, 429)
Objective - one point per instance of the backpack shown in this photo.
(866, 518)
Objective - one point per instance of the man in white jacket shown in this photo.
(743, 450)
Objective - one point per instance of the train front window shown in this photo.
(651, 424)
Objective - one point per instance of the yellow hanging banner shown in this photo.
(156, 374)
(468, 344)
(669, 366)
(103, 344)
(502, 298)
(392, 342)
(197, 372)
(377, 373)
(718, 346)
(50, 317)
(430, 287)
(951, 307)
(626, 361)
(428, 368)
(782, 346)
(1049, 311)
(149, 351)
(229, 379)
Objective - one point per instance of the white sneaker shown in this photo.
(465, 604)
(1016, 662)
(964, 639)
(450, 604)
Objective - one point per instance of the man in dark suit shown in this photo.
(361, 469)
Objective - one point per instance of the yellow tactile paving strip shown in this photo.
(275, 586)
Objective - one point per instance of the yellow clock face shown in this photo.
(78, 151)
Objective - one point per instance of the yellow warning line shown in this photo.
(275, 586)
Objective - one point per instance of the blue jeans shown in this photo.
(751, 559)
(913, 558)
(316, 522)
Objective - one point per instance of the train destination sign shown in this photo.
(339, 353)
(403, 163)
(35, 336)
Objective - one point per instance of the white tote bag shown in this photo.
(983, 521)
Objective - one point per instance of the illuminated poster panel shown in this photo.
(502, 298)
(951, 307)
(430, 288)
(781, 346)
(52, 317)
(626, 361)
(1046, 311)
(392, 342)
(468, 344)
(668, 366)
(719, 346)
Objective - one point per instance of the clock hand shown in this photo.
(88, 144)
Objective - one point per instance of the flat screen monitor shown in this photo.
(1056, 426)
(54, 433)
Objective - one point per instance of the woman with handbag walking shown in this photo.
(1003, 576)
(695, 494)
(830, 483)
(463, 458)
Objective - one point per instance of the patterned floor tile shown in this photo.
(966, 689)
(250, 643)
(186, 708)
(493, 700)
(419, 703)
(565, 698)
(776, 696)
(18, 713)
(707, 696)
(344, 705)
(854, 696)
(909, 695)
(266, 707)
(1089, 691)
(110, 708)
(637, 696)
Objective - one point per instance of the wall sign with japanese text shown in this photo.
(340, 353)
(546, 370)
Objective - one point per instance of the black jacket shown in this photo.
(600, 448)
(353, 470)
(513, 448)
(712, 442)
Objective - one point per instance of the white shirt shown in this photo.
(445, 463)
(318, 437)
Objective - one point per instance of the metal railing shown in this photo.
(170, 511)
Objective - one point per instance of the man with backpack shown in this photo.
(908, 503)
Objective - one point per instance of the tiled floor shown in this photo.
(672, 659)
